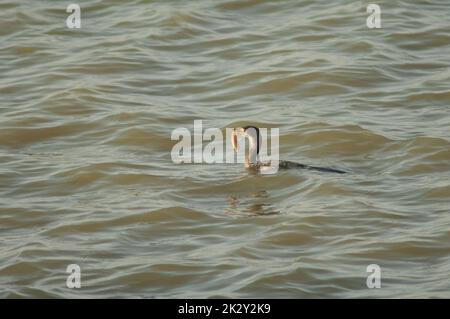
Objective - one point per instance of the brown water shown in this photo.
(86, 175)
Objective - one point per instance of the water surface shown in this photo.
(86, 175)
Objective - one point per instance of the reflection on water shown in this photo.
(251, 204)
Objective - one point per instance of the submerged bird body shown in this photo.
(289, 165)
(252, 162)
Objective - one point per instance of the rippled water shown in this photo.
(86, 175)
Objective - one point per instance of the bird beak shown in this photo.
(234, 140)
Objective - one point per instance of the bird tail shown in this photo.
(324, 169)
(288, 164)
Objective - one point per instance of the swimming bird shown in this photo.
(252, 162)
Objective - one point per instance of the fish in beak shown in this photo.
(234, 140)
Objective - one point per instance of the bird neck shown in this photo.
(252, 157)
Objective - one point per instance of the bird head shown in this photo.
(250, 132)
